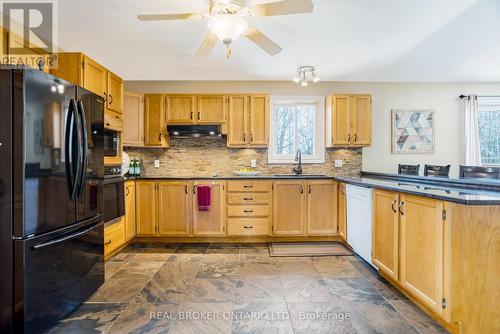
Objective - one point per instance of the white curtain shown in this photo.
(472, 154)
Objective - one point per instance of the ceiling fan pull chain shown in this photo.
(229, 52)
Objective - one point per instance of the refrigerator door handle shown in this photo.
(65, 238)
(83, 174)
(68, 148)
(78, 165)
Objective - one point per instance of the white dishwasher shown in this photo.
(359, 221)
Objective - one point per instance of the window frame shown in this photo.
(486, 101)
(319, 129)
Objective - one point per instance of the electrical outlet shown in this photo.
(253, 163)
(157, 163)
(338, 163)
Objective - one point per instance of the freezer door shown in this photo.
(55, 274)
(43, 137)
(91, 115)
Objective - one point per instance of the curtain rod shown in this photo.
(462, 96)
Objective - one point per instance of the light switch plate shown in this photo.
(157, 163)
(253, 163)
(338, 163)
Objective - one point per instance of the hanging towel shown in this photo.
(204, 197)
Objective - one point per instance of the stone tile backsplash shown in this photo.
(207, 156)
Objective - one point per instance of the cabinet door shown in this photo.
(173, 208)
(259, 120)
(94, 77)
(341, 122)
(386, 232)
(129, 210)
(212, 222)
(145, 198)
(361, 120)
(115, 93)
(154, 125)
(421, 249)
(133, 119)
(321, 207)
(212, 109)
(180, 109)
(342, 212)
(238, 120)
(288, 210)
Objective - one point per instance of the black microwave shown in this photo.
(111, 143)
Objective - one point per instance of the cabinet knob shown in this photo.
(107, 242)
(349, 137)
(355, 137)
(110, 99)
(392, 205)
(246, 186)
(248, 198)
(105, 96)
(247, 211)
(247, 226)
(400, 208)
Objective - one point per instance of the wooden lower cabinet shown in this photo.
(421, 249)
(114, 237)
(321, 207)
(146, 208)
(174, 208)
(129, 210)
(342, 211)
(212, 222)
(385, 253)
(289, 207)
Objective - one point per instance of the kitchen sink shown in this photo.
(299, 175)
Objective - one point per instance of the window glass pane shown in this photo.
(285, 129)
(306, 128)
(489, 135)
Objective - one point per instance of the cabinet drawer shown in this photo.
(113, 121)
(248, 198)
(248, 186)
(248, 210)
(250, 227)
(114, 237)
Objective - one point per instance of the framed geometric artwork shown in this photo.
(412, 131)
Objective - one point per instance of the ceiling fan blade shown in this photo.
(283, 7)
(262, 40)
(207, 45)
(166, 17)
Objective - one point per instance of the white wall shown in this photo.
(443, 98)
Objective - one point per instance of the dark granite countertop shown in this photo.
(443, 192)
(235, 177)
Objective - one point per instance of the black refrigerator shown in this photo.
(51, 176)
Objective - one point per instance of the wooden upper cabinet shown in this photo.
(146, 207)
(94, 77)
(174, 204)
(421, 249)
(211, 222)
(386, 232)
(361, 120)
(350, 120)
(342, 211)
(180, 109)
(341, 120)
(212, 109)
(115, 93)
(259, 120)
(133, 119)
(321, 207)
(238, 120)
(289, 208)
(154, 124)
(130, 211)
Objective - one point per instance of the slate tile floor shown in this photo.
(228, 288)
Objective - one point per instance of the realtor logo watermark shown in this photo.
(29, 33)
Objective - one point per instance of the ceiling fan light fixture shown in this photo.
(227, 27)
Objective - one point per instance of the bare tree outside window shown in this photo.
(295, 128)
(489, 134)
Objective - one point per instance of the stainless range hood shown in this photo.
(193, 130)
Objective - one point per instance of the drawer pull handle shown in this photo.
(247, 186)
(247, 211)
(247, 226)
(248, 198)
(107, 242)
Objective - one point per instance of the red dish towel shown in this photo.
(204, 197)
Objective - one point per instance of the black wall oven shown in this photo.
(111, 143)
(113, 193)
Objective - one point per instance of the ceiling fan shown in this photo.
(226, 21)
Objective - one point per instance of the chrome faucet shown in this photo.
(298, 169)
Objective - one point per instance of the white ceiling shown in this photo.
(347, 40)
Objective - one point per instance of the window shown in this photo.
(297, 123)
(489, 130)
